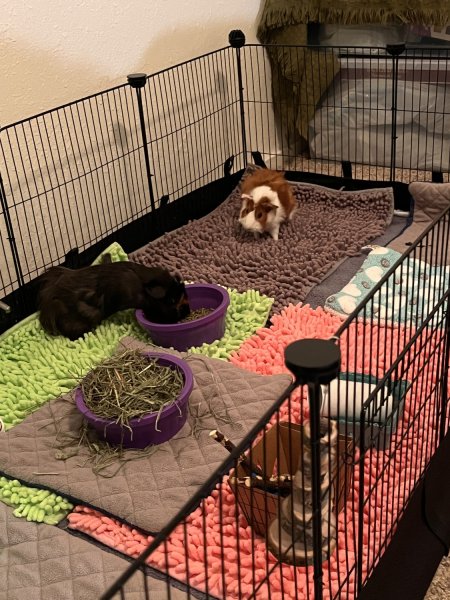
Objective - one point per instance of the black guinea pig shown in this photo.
(74, 302)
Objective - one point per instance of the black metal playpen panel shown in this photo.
(145, 157)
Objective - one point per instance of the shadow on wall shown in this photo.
(192, 111)
(78, 173)
(62, 187)
(169, 48)
(34, 80)
(212, 78)
(196, 105)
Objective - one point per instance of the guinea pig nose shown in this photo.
(184, 310)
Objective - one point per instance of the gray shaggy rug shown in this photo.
(328, 227)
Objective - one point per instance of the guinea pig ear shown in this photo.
(269, 207)
(157, 292)
(106, 259)
(90, 297)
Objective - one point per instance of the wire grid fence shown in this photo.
(191, 115)
(248, 532)
(74, 175)
(404, 329)
(385, 111)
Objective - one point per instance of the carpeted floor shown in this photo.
(440, 586)
(263, 354)
(365, 172)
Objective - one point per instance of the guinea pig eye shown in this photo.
(258, 214)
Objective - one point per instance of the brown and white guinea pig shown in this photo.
(74, 302)
(267, 201)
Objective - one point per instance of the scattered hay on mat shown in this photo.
(106, 460)
(127, 386)
(36, 368)
(199, 413)
(264, 353)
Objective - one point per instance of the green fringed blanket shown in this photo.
(36, 368)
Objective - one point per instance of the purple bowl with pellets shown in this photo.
(147, 430)
(204, 330)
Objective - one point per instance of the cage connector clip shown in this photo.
(236, 38)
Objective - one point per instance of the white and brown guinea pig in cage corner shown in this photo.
(267, 201)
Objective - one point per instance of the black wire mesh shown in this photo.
(192, 123)
(389, 411)
(387, 115)
(64, 172)
(77, 174)
(74, 175)
(404, 330)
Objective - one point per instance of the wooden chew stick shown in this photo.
(284, 488)
(256, 478)
(243, 460)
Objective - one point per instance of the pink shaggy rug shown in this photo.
(413, 447)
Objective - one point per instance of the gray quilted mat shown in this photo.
(327, 227)
(149, 491)
(430, 201)
(41, 562)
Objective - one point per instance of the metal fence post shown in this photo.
(444, 382)
(394, 50)
(137, 81)
(236, 39)
(360, 538)
(315, 363)
(14, 252)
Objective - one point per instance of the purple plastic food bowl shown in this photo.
(207, 329)
(143, 430)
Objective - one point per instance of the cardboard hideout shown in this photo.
(260, 507)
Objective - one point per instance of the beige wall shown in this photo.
(54, 51)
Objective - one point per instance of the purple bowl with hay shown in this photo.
(204, 330)
(147, 430)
